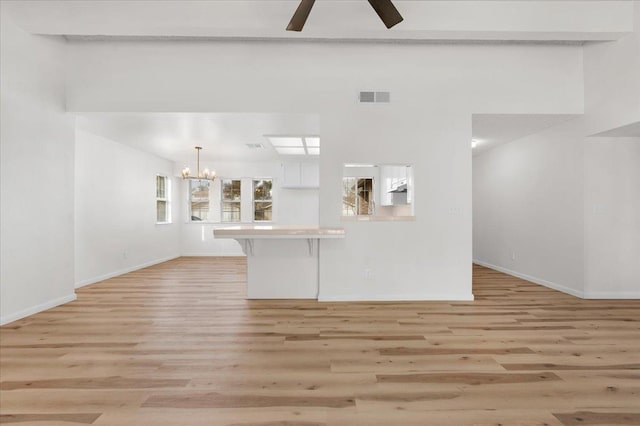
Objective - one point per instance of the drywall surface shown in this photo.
(528, 208)
(612, 85)
(115, 209)
(612, 218)
(37, 175)
(612, 168)
(434, 89)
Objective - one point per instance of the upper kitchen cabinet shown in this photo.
(395, 185)
(301, 175)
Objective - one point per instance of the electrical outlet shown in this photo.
(125, 255)
(513, 255)
(368, 274)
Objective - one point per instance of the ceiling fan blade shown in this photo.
(387, 12)
(301, 15)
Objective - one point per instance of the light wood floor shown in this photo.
(177, 344)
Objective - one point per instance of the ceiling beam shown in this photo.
(507, 20)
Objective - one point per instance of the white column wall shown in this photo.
(612, 165)
(612, 218)
(37, 151)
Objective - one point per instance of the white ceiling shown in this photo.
(223, 136)
(629, 131)
(491, 130)
(506, 20)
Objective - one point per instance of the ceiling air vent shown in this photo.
(374, 97)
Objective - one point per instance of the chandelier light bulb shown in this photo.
(206, 174)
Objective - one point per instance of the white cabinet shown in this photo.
(310, 175)
(391, 178)
(386, 178)
(300, 175)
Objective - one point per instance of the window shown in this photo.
(199, 200)
(231, 200)
(163, 199)
(262, 202)
(357, 196)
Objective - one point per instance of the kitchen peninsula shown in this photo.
(282, 261)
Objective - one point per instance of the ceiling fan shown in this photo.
(384, 8)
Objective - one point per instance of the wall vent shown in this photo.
(374, 97)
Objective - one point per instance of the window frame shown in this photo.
(254, 201)
(166, 199)
(190, 201)
(223, 200)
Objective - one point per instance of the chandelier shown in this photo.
(205, 175)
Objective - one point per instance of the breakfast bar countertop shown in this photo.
(277, 232)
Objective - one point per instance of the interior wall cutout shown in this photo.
(377, 192)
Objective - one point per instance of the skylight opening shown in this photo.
(312, 142)
(278, 141)
(295, 145)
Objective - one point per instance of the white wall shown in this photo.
(612, 85)
(37, 175)
(612, 168)
(434, 89)
(115, 209)
(612, 218)
(528, 205)
(290, 206)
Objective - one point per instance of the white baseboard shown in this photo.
(6, 319)
(199, 254)
(551, 285)
(99, 278)
(612, 295)
(397, 298)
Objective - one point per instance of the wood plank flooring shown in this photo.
(177, 344)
